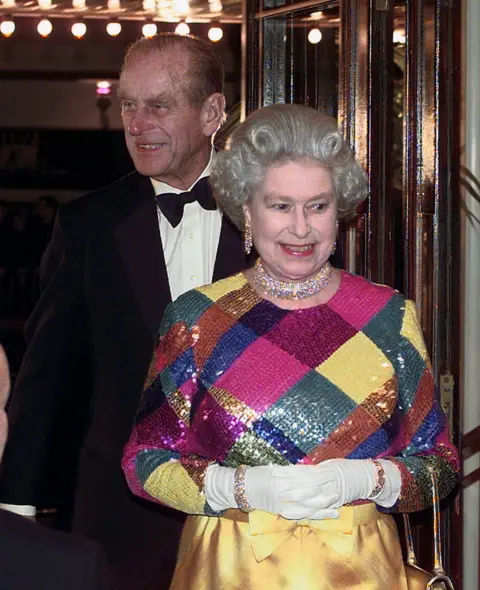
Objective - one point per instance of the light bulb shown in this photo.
(399, 37)
(182, 29)
(114, 5)
(315, 35)
(114, 29)
(215, 33)
(215, 6)
(7, 28)
(45, 4)
(8, 3)
(79, 30)
(44, 27)
(180, 6)
(104, 87)
(78, 4)
(148, 5)
(149, 30)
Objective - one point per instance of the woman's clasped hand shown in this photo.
(304, 491)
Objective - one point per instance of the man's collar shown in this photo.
(162, 187)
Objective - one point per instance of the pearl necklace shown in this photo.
(293, 290)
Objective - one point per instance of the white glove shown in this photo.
(263, 491)
(261, 494)
(345, 480)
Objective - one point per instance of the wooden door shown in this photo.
(389, 70)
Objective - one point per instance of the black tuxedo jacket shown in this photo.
(90, 341)
(33, 557)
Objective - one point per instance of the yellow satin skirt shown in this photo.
(260, 551)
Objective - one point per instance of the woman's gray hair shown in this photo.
(284, 133)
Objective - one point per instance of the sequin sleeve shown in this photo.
(157, 461)
(424, 432)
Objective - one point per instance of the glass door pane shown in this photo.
(300, 57)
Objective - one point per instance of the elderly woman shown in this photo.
(289, 408)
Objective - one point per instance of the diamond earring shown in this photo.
(248, 237)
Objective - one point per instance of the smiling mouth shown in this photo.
(304, 250)
(150, 147)
(299, 248)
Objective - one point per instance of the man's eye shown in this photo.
(127, 105)
(280, 207)
(319, 207)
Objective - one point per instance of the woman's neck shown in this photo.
(319, 298)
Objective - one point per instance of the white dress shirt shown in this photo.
(190, 250)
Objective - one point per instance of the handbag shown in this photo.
(418, 578)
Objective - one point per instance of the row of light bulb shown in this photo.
(173, 5)
(114, 28)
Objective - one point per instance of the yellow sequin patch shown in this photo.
(219, 289)
(412, 331)
(171, 483)
(357, 368)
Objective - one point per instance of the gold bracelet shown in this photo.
(239, 489)
(378, 489)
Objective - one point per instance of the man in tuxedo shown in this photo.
(117, 257)
(32, 556)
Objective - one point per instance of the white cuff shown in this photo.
(25, 510)
(219, 483)
(393, 484)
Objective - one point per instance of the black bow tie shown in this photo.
(172, 205)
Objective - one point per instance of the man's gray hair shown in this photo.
(205, 67)
(278, 134)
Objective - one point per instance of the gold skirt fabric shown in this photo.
(359, 550)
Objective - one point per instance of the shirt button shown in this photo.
(190, 235)
(193, 277)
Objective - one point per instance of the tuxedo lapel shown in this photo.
(137, 236)
(138, 240)
(230, 257)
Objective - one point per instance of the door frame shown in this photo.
(430, 201)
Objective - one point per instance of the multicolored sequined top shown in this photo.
(237, 380)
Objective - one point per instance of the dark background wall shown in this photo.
(54, 140)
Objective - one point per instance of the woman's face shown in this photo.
(293, 215)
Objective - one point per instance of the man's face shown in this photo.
(166, 137)
(4, 391)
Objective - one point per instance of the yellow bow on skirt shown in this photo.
(360, 550)
(269, 531)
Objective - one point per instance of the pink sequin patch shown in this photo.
(260, 384)
(358, 301)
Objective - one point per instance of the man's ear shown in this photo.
(4, 378)
(213, 113)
